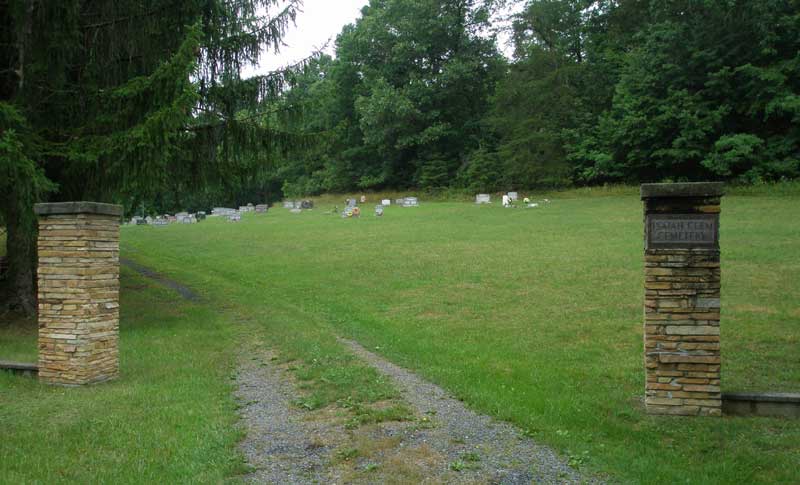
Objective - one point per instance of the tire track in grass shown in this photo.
(185, 292)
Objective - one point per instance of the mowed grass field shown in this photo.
(533, 316)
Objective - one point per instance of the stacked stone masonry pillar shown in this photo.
(78, 289)
(682, 299)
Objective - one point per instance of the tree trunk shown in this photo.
(21, 245)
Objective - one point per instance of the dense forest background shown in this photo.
(144, 103)
(597, 91)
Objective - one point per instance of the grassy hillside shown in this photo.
(533, 316)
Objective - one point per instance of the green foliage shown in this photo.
(598, 92)
(139, 103)
(403, 101)
(482, 172)
(708, 91)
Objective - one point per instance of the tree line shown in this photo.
(144, 103)
(597, 91)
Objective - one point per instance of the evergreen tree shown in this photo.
(116, 101)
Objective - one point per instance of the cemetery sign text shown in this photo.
(682, 231)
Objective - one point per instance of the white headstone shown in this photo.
(385, 202)
(506, 201)
(483, 199)
(513, 195)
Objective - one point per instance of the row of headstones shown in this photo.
(404, 202)
(487, 199)
(298, 204)
(166, 219)
(351, 208)
(234, 215)
(258, 208)
(193, 218)
(508, 200)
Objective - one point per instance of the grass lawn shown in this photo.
(533, 316)
(169, 419)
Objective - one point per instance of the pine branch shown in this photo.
(130, 17)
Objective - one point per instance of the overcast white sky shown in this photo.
(320, 21)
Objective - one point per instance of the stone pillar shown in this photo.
(682, 298)
(78, 278)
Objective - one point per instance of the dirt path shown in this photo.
(445, 443)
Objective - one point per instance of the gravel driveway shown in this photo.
(445, 443)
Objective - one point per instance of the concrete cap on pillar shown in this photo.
(690, 189)
(78, 208)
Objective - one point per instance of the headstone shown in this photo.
(682, 298)
(235, 217)
(351, 203)
(185, 218)
(483, 199)
(400, 202)
(307, 204)
(160, 222)
(513, 196)
(262, 208)
(386, 202)
(201, 216)
(148, 220)
(379, 210)
(410, 202)
(506, 201)
(223, 211)
(78, 292)
(363, 199)
(288, 204)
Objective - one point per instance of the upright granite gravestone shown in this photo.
(483, 199)
(78, 281)
(682, 298)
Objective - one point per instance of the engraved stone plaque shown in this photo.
(685, 231)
